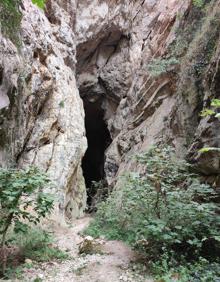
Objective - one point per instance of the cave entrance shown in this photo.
(99, 139)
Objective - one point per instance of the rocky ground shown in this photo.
(108, 261)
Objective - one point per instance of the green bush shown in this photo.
(207, 112)
(166, 210)
(22, 202)
(37, 245)
(201, 270)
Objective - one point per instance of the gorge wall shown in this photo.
(143, 70)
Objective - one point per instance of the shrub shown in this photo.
(37, 245)
(207, 112)
(202, 270)
(22, 201)
(166, 210)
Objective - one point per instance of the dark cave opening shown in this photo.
(99, 139)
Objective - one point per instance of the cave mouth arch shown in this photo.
(99, 139)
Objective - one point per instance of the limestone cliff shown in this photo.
(44, 123)
(150, 66)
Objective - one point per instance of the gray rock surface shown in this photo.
(102, 50)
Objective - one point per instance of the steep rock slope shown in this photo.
(44, 124)
(156, 65)
(151, 65)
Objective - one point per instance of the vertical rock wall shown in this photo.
(44, 122)
(125, 53)
(108, 50)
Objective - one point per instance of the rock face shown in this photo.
(45, 124)
(152, 65)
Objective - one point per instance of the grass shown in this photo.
(37, 246)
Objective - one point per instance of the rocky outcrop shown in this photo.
(44, 125)
(112, 62)
(140, 59)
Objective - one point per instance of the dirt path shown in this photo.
(112, 265)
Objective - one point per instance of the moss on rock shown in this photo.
(10, 19)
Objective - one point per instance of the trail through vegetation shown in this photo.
(113, 262)
(169, 215)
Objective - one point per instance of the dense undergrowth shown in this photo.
(37, 245)
(23, 203)
(167, 215)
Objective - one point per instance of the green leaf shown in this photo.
(208, 149)
(198, 3)
(61, 104)
(217, 238)
(39, 3)
(20, 189)
(215, 103)
(207, 112)
(217, 115)
(20, 227)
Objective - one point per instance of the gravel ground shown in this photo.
(113, 264)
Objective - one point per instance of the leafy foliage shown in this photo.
(62, 104)
(213, 111)
(199, 3)
(35, 245)
(202, 270)
(166, 210)
(208, 149)
(207, 112)
(22, 201)
(39, 3)
(215, 104)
